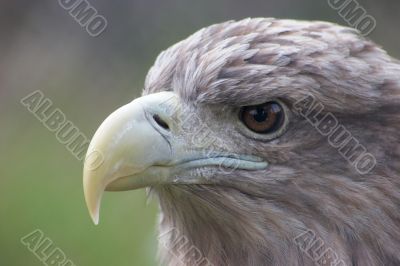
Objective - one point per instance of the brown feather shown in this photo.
(251, 218)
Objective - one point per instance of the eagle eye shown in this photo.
(267, 119)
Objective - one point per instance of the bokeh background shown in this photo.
(43, 47)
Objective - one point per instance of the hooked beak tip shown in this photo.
(93, 195)
(94, 212)
(95, 218)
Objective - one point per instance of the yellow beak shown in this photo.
(126, 144)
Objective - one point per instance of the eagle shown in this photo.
(265, 142)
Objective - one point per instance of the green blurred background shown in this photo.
(43, 47)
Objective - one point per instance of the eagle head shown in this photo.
(250, 133)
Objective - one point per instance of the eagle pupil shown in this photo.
(260, 115)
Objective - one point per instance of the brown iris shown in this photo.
(264, 118)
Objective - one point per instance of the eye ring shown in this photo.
(264, 121)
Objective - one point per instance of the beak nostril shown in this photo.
(160, 122)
